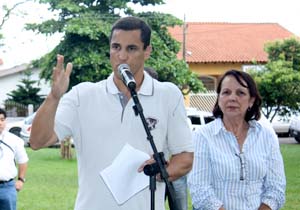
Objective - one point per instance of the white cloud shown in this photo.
(22, 46)
(284, 12)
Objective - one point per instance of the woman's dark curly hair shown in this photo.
(241, 77)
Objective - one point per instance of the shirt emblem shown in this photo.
(151, 122)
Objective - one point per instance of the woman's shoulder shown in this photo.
(265, 130)
(209, 129)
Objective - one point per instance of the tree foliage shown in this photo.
(86, 27)
(26, 93)
(278, 82)
(286, 50)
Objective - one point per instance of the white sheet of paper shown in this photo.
(122, 177)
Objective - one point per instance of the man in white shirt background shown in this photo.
(12, 154)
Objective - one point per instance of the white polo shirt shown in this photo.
(8, 168)
(93, 115)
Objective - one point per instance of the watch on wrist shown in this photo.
(22, 179)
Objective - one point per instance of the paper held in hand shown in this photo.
(122, 176)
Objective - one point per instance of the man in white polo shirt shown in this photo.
(12, 152)
(101, 120)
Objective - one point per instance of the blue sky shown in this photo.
(23, 46)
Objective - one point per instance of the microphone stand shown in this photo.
(159, 165)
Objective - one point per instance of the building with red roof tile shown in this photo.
(213, 48)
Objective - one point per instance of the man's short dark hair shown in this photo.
(133, 23)
(2, 111)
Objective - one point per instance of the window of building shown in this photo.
(208, 82)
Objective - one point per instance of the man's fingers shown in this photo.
(69, 69)
(148, 162)
(60, 62)
(60, 66)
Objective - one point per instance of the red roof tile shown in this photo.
(228, 42)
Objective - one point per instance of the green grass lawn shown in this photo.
(291, 157)
(52, 182)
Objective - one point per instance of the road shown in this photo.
(287, 140)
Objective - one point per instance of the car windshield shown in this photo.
(208, 119)
(29, 119)
(195, 119)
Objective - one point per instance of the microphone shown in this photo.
(127, 77)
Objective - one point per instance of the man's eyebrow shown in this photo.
(133, 45)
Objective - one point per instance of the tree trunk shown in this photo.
(66, 149)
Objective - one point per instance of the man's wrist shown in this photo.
(21, 179)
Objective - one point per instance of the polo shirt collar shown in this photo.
(147, 87)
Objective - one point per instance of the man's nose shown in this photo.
(123, 55)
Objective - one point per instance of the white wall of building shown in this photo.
(10, 82)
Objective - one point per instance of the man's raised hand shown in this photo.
(60, 77)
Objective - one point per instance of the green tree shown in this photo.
(86, 25)
(286, 50)
(278, 82)
(26, 93)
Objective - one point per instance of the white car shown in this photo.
(21, 127)
(198, 117)
(281, 126)
(14, 124)
(26, 128)
(294, 129)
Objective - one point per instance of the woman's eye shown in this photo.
(241, 93)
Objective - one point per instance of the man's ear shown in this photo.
(148, 51)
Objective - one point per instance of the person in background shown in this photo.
(151, 72)
(12, 152)
(180, 184)
(237, 161)
(101, 120)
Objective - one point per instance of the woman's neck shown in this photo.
(238, 127)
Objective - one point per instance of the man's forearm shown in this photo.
(264, 207)
(179, 165)
(22, 170)
(42, 131)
